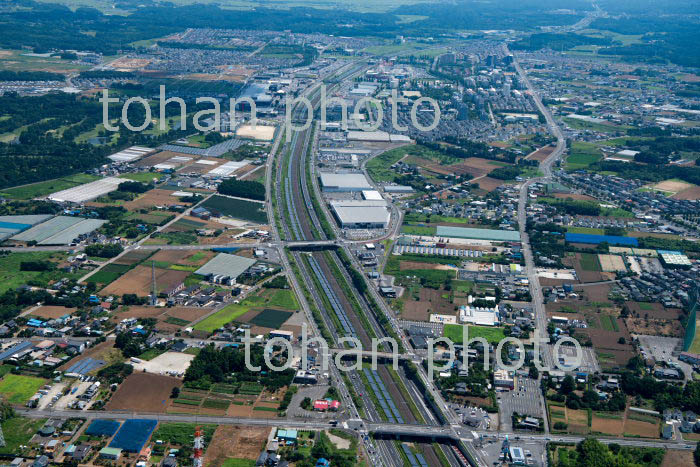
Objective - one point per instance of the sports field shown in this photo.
(17, 389)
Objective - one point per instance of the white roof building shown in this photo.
(479, 316)
(353, 214)
(344, 182)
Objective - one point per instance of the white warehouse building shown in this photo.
(356, 214)
(337, 182)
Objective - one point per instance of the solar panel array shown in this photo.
(332, 298)
(416, 460)
(133, 434)
(429, 250)
(102, 427)
(85, 366)
(385, 400)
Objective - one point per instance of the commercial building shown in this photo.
(343, 182)
(371, 195)
(478, 315)
(502, 379)
(110, 453)
(478, 234)
(226, 265)
(674, 259)
(352, 214)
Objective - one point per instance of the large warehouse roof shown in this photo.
(60, 230)
(226, 265)
(347, 181)
(479, 234)
(87, 191)
(361, 212)
(596, 239)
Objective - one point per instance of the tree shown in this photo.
(621, 341)
(696, 455)
(175, 393)
(568, 385)
(533, 373)
(592, 452)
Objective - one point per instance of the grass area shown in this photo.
(581, 155)
(284, 298)
(12, 277)
(150, 354)
(222, 317)
(47, 187)
(182, 434)
(235, 462)
(17, 389)
(578, 124)
(109, 273)
(609, 323)
(454, 333)
(143, 177)
(418, 230)
(18, 431)
(586, 230)
(590, 262)
(237, 208)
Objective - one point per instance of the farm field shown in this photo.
(492, 335)
(17, 389)
(109, 273)
(144, 392)
(237, 208)
(138, 281)
(52, 312)
(11, 275)
(235, 446)
(47, 187)
(169, 319)
(581, 155)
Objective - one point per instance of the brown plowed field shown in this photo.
(133, 257)
(474, 166)
(541, 154)
(138, 281)
(489, 184)
(239, 442)
(144, 392)
(688, 193)
(152, 198)
(52, 312)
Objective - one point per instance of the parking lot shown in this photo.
(662, 349)
(169, 363)
(524, 399)
(490, 448)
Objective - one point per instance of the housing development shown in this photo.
(383, 234)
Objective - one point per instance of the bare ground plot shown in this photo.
(586, 273)
(169, 319)
(688, 193)
(655, 327)
(672, 186)
(652, 310)
(604, 423)
(596, 293)
(161, 157)
(474, 166)
(612, 263)
(239, 442)
(429, 301)
(642, 429)
(184, 257)
(138, 281)
(52, 312)
(488, 184)
(676, 458)
(153, 198)
(541, 154)
(144, 392)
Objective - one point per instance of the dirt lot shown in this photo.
(674, 458)
(152, 198)
(654, 327)
(688, 193)
(430, 301)
(184, 257)
(541, 154)
(652, 311)
(489, 184)
(144, 392)
(241, 442)
(641, 429)
(611, 263)
(52, 312)
(595, 293)
(138, 281)
(474, 166)
(611, 426)
(161, 157)
(673, 186)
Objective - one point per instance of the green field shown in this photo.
(143, 177)
(17, 389)
(238, 463)
(18, 431)
(46, 188)
(237, 208)
(581, 155)
(221, 317)
(586, 230)
(609, 323)
(284, 298)
(11, 277)
(454, 333)
(418, 230)
(181, 434)
(590, 262)
(269, 318)
(109, 273)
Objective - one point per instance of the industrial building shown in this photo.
(479, 316)
(371, 195)
(227, 265)
(502, 379)
(339, 182)
(479, 234)
(354, 214)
